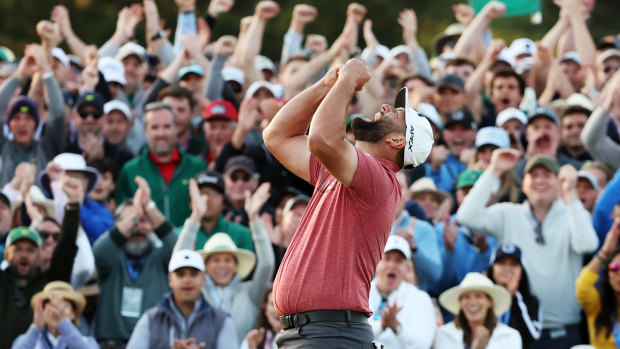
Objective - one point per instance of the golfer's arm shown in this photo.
(285, 137)
(327, 131)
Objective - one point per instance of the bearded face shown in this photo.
(374, 131)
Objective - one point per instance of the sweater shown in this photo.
(597, 142)
(70, 338)
(172, 199)
(552, 266)
(503, 337)
(590, 300)
(114, 320)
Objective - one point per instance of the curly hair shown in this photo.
(605, 319)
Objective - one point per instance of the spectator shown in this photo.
(166, 167)
(507, 91)
(426, 194)
(106, 185)
(404, 316)
(117, 121)
(227, 265)
(551, 224)
(267, 326)
(524, 314)
(572, 122)
(219, 125)
(23, 278)
(476, 302)
(183, 104)
(239, 176)
(5, 220)
(184, 317)
(56, 309)
(600, 305)
(131, 266)
(587, 190)
(607, 208)
(600, 171)
(512, 121)
(450, 95)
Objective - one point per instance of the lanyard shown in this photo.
(377, 314)
(505, 318)
(134, 269)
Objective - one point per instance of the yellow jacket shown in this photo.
(590, 300)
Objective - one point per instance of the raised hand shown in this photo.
(198, 202)
(27, 66)
(568, 179)
(56, 310)
(218, 7)
(39, 315)
(502, 160)
(481, 337)
(254, 337)
(611, 239)
(494, 9)
(356, 12)
(49, 33)
(54, 171)
(356, 72)
(145, 192)
(267, 9)
(302, 15)
(93, 144)
(60, 15)
(450, 234)
(388, 316)
(35, 215)
(128, 19)
(369, 35)
(463, 13)
(40, 57)
(225, 45)
(254, 202)
(186, 5)
(409, 21)
(91, 56)
(439, 155)
(74, 189)
(203, 34)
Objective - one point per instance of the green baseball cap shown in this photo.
(20, 233)
(468, 178)
(544, 161)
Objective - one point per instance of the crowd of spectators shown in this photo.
(140, 207)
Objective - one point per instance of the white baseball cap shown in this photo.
(419, 133)
(508, 114)
(256, 85)
(112, 69)
(523, 46)
(115, 104)
(505, 56)
(398, 243)
(262, 63)
(60, 55)
(492, 136)
(429, 111)
(186, 259)
(233, 74)
(131, 48)
(590, 178)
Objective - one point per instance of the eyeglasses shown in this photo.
(608, 69)
(540, 239)
(84, 114)
(244, 177)
(614, 267)
(45, 234)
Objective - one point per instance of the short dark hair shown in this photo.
(177, 92)
(105, 165)
(153, 106)
(460, 61)
(507, 73)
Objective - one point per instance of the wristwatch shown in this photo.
(151, 205)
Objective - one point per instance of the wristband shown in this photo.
(151, 205)
(600, 257)
(47, 75)
(160, 34)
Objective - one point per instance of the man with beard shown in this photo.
(23, 278)
(543, 137)
(322, 287)
(163, 164)
(131, 262)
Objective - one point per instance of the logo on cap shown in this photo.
(24, 109)
(24, 232)
(508, 248)
(411, 134)
(218, 109)
(89, 97)
(458, 115)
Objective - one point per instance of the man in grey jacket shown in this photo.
(184, 317)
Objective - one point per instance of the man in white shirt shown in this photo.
(404, 316)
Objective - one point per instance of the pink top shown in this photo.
(339, 242)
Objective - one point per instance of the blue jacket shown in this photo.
(96, 219)
(446, 177)
(604, 205)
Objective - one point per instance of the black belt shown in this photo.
(300, 319)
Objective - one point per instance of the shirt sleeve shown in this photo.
(585, 290)
(372, 184)
(141, 333)
(227, 339)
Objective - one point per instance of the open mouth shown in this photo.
(543, 142)
(505, 102)
(391, 277)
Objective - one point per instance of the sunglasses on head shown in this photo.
(614, 267)
(244, 177)
(45, 234)
(85, 113)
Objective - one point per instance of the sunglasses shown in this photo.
(84, 114)
(244, 177)
(614, 267)
(45, 234)
(540, 239)
(609, 68)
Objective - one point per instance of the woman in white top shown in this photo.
(476, 302)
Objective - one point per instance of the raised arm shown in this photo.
(302, 15)
(285, 137)
(224, 47)
(582, 39)
(326, 139)
(472, 35)
(198, 203)
(60, 15)
(186, 22)
(157, 42)
(474, 84)
(128, 19)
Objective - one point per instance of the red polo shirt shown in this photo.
(167, 169)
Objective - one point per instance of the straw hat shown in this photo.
(426, 185)
(65, 290)
(221, 242)
(450, 299)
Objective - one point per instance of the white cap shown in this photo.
(256, 85)
(493, 136)
(590, 178)
(606, 55)
(290, 203)
(429, 111)
(523, 46)
(233, 74)
(398, 243)
(419, 133)
(381, 51)
(113, 70)
(508, 114)
(131, 48)
(524, 64)
(186, 259)
(571, 56)
(60, 55)
(262, 63)
(505, 56)
(580, 100)
(115, 104)
(401, 49)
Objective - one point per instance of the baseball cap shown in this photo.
(6, 55)
(544, 112)
(212, 179)
(190, 69)
(507, 57)
(90, 97)
(452, 81)
(509, 114)
(430, 112)
(220, 109)
(233, 74)
(264, 63)
(506, 250)
(400, 49)
(571, 56)
(381, 51)
(461, 116)
(468, 178)
(60, 55)
(544, 161)
(23, 104)
(588, 177)
(256, 85)
(131, 48)
(113, 70)
(294, 201)
(523, 46)
(614, 52)
(186, 259)
(21, 233)
(398, 243)
(524, 64)
(115, 104)
(492, 135)
(240, 162)
(5, 198)
(608, 41)
(419, 133)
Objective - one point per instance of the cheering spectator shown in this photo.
(239, 176)
(267, 326)
(117, 121)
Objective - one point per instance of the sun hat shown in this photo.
(419, 133)
(65, 290)
(71, 162)
(450, 299)
(427, 185)
(221, 242)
